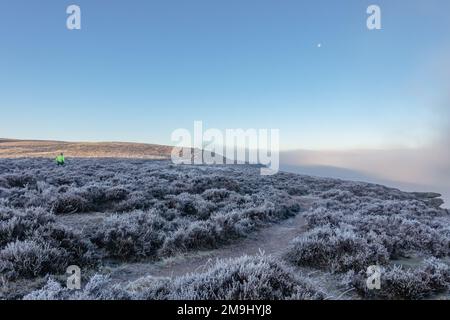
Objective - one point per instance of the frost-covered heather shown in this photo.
(33, 244)
(359, 225)
(155, 209)
(395, 228)
(152, 209)
(339, 249)
(245, 278)
(398, 282)
(148, 210)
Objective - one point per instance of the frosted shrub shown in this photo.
(116, 194)
(245, 278)
(192, 205)
(398, 282)
(232, 225)
(19, 180)
(401, 226)
(217, 195)
(19, 225)
(133, 235)
(33, 244)
(336, 249)
(28, 259)
(70, 203)
(135, 201)
(201, 184)
(401, 235)
(78, 250)
(51, 291)
(197, 235)
(322, 216)
(154, 209)
(98, 288)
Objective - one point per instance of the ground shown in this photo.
(12, 148)
(148, 229)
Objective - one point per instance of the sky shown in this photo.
(138, 70)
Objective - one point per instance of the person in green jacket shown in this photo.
(60, 159)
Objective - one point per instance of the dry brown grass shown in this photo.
(10, 148)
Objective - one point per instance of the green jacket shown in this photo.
(60, 159)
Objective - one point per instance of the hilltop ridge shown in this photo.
(12, 148)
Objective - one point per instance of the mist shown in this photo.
(421, 169)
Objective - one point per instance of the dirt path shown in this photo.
(272, 240)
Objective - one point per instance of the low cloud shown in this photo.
(425, 168)
(421, 169)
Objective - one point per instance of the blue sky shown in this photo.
(140, 69)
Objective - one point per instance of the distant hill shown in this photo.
(11, 148)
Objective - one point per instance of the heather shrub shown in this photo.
(139, 209)
(28, 259)
(216, 195)
(350, 232)
(131, 236)
(401, 235)
(232, 225)
(401, 226)
(201, 184)
(196, 235)
(116, 194)
(398, 282)
(192, 205)
(91, 198)
(98, 288)
(33, 244)
(19, 225)
(19, 180)
(3, 183)
(245, 278)
(136, 200)
(336, 249)
(78, 250)
(69, 203)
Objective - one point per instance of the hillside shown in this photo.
(142, 229)
(11, 148)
